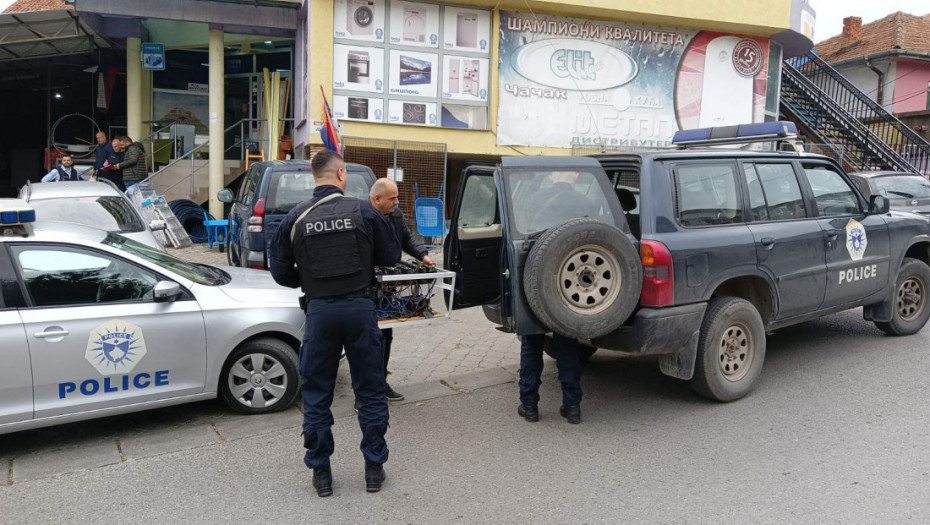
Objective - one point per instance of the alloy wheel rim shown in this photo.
(589, 280)
(911, 301)
(735, 352)
(257, 380)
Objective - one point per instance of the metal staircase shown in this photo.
(831, 110)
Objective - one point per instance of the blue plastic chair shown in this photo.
(429, 214)
(215, 228)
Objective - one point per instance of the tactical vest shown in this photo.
(335, 256)
(62, 175)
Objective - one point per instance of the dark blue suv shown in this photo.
(268, 191)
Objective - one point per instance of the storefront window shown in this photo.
(774, 82)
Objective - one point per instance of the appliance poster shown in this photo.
(359, 19)
(567, 82)
(464, 117)
(357, 68)
(414, 24)
(466, 29)
(413, 74)
(465, 78)
(412, 113)
(358, 108)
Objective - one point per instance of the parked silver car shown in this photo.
(95, 204)
(94, 324)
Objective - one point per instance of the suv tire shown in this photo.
(731, 350)
(910, 310)
(583, 278)
(278, 384)
(584, 351)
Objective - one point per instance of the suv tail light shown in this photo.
(257, 220)
(658, 277)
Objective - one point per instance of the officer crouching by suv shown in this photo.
(329, 246)
(383, 196)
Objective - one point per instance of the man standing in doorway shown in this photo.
(384, 197)
(329, 246)
(104, 150)
(65, 172)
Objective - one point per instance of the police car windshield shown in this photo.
(288, 189)
(109, 213)
(542, 199)
(199, 273)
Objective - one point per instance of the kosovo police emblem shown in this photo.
(856, 240)
(115, 347)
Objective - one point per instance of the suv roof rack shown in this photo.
(781, 131)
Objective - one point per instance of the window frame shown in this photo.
(742, 197)
(863, 204)
(27, 297)
(806, 195)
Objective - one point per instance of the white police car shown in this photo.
(94, 324)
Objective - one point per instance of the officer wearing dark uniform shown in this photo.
(531, 367)
(335, 242)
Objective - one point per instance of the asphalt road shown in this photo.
(836, 431)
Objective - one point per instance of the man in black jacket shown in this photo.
(383, 196)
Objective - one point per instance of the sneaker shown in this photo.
(528, 412)
(571, 413)
(392, 394)
(323, 482)
(374, 476)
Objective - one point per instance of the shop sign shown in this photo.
(567, 82)
(153, 57)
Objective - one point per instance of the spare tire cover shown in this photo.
(583, 278)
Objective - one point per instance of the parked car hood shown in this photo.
(257, 286)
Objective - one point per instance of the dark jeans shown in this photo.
(388, 335)
(531, 367)
(334, 324)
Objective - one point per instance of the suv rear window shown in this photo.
(290, 188)
(108, 213)
(707, 194)
(542, 199)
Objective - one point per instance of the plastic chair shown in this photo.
(214, 229)
(429, 214)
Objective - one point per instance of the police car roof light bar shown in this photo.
(742, 134)
(15, 212)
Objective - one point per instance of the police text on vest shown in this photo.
(858, 274)
(330, 225)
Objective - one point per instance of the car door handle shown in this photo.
(51, 333)
(767, 242)
(832, 235)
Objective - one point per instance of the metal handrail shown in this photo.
(902, 139)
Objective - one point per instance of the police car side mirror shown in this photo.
(158, 225)
(879, 205)
(166, 291)
(225, 195)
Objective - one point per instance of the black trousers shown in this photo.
(388, 335)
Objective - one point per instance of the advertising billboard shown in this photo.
(567, 82)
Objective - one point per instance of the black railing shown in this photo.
(898, 136)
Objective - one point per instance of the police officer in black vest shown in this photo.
(329, 246)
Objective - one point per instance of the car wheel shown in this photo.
(583, 278)
(259, 377)
(584, 351)
(731, 349)
(911, 311)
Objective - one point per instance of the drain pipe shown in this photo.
(881, 82)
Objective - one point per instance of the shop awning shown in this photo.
(40, 34)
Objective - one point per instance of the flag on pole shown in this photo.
(328, 131)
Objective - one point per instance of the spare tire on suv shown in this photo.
(583, 278)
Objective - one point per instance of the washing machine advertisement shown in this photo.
(466, 29)
(414, 24)
(359, 20)
(412, 113)
(357, 68)
(465, 78)
(358, 108)
(414, 74)
(567, 82)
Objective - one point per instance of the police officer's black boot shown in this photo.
(528, 412)
(571, 413)
(323, 482)
(374, 476)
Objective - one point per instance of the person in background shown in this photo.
(109, 169)
(104, 150)
(384, 197)
(65, 172)
(133, 164)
